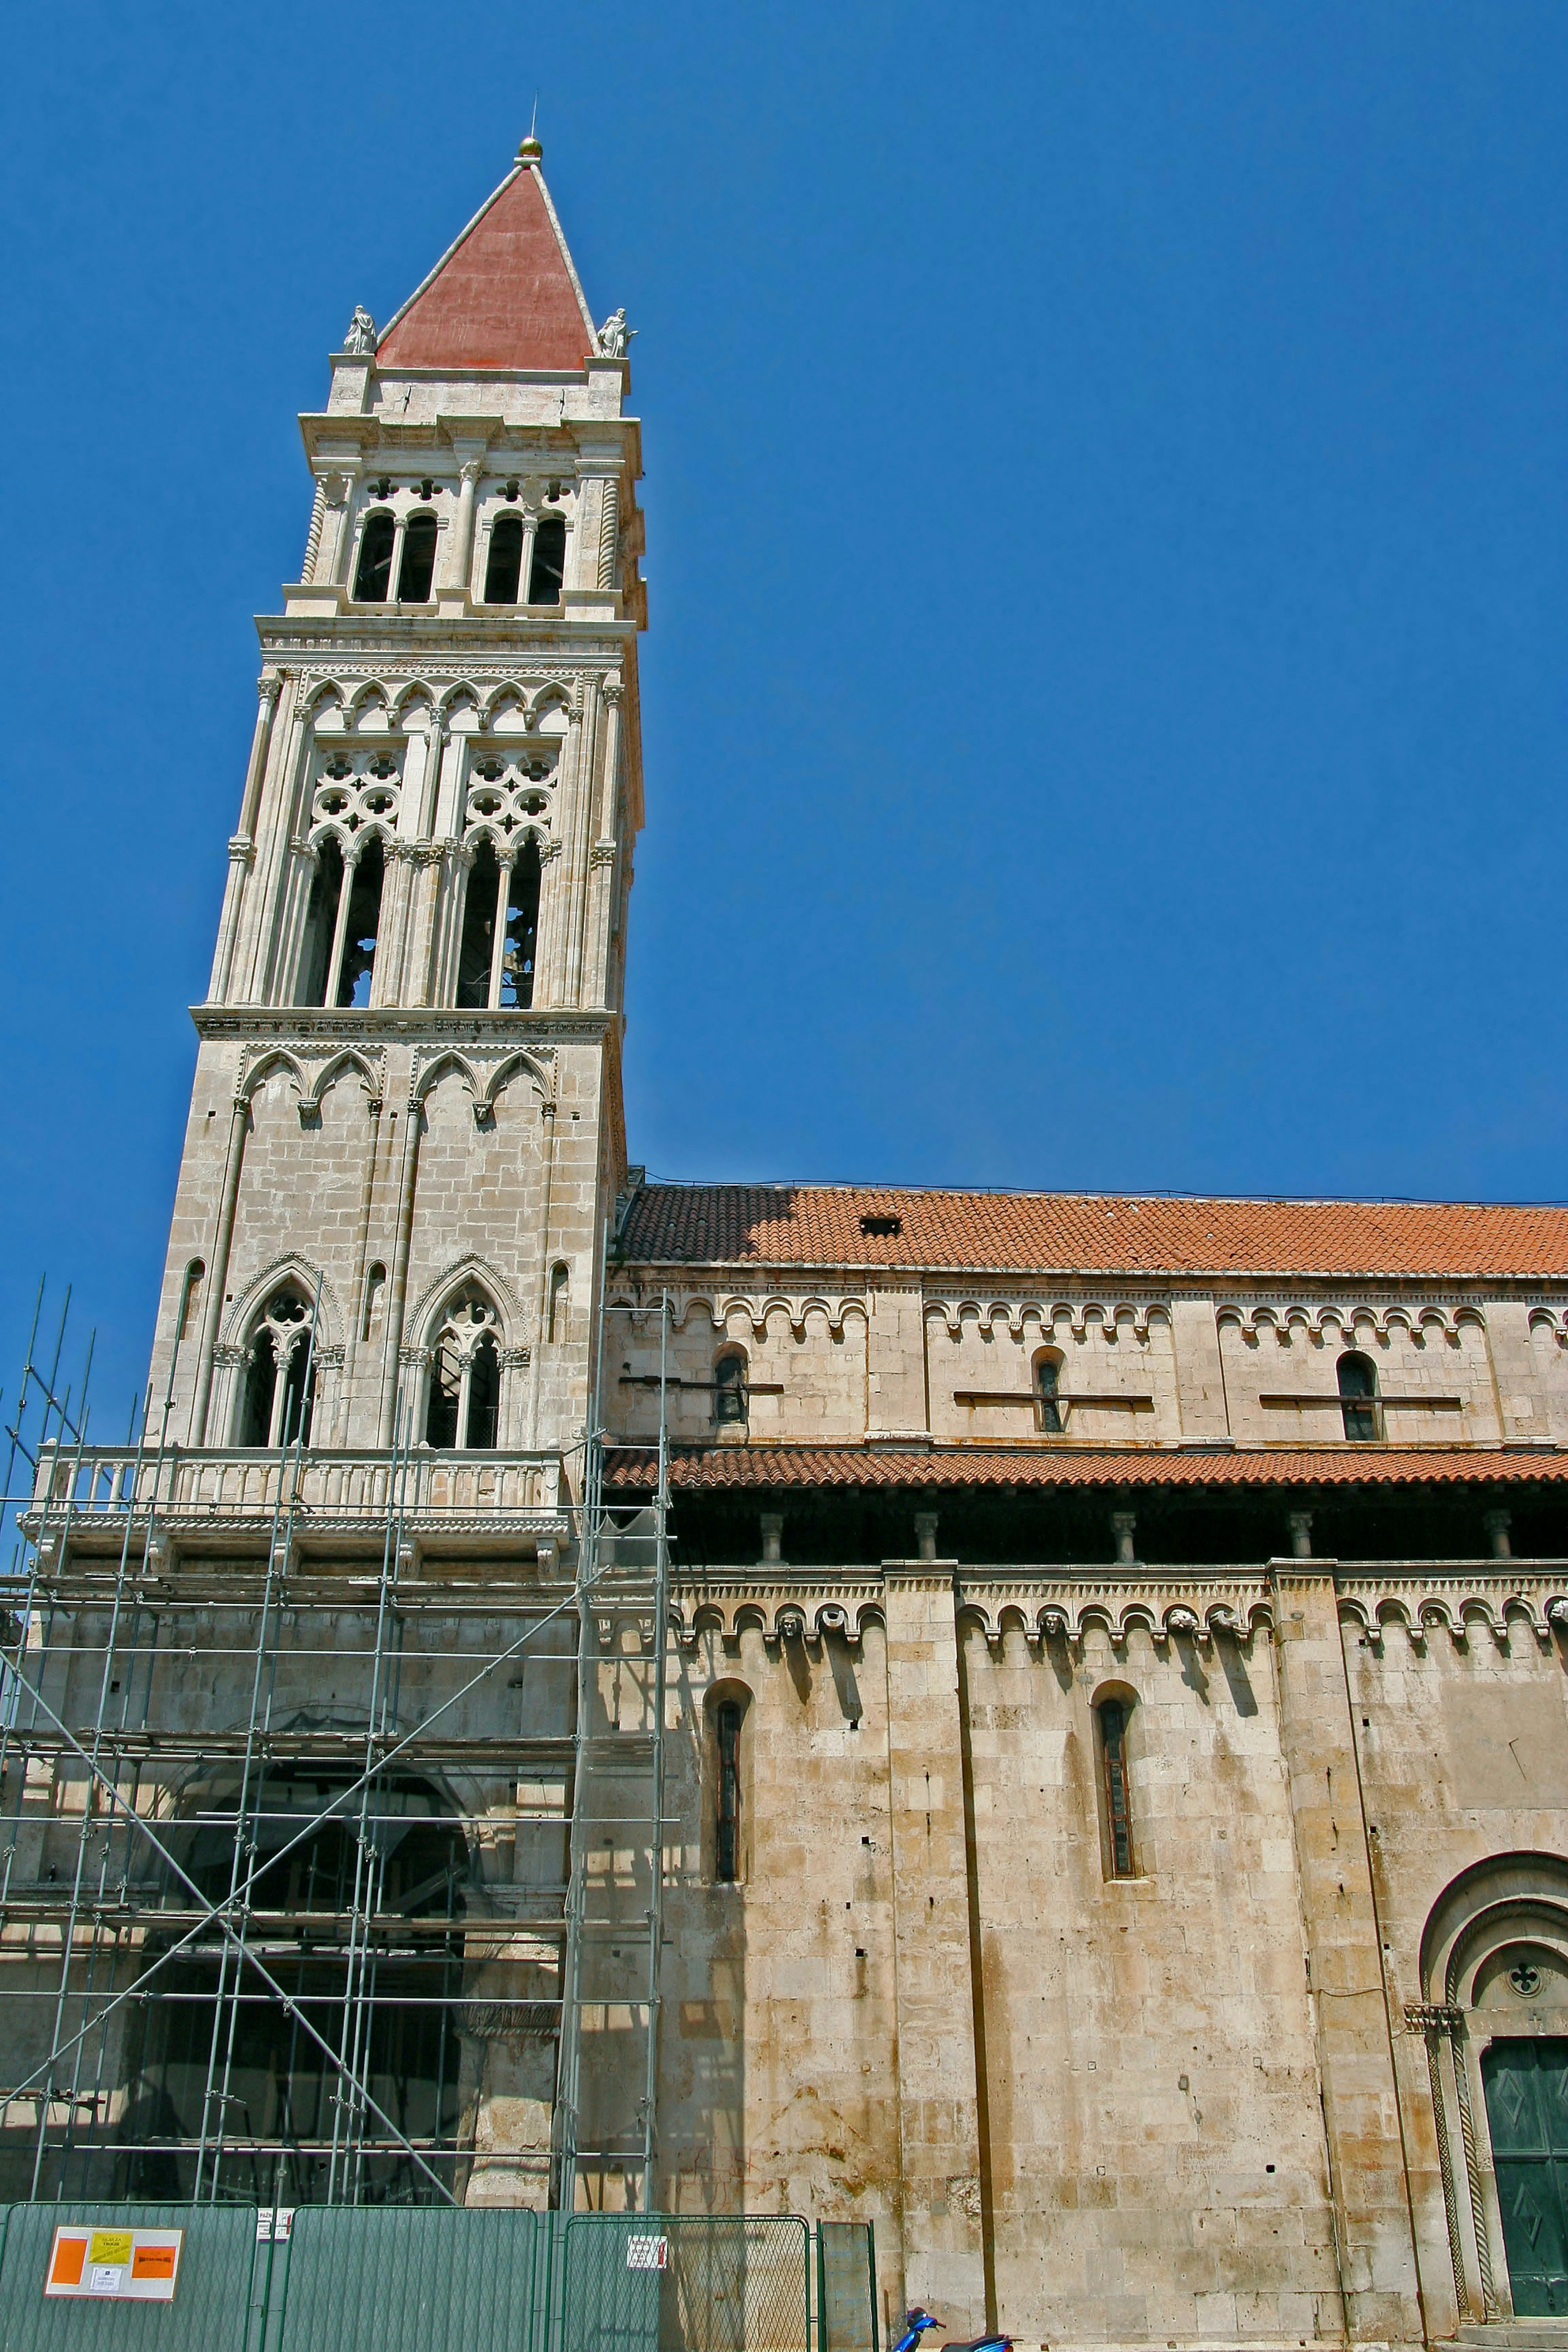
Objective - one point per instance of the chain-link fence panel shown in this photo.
(127, 2278)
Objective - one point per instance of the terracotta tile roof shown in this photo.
(504, 296)
(736, 1467)
(1089, 1233)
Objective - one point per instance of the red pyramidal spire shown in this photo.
(504, 296)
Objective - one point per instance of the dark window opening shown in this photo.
(1118, 1802)
(196, 1273)
(445, 1399)
(373, 581)
(284, 2118)
(418, 566)
(280, 1395)
(881, 1225)
(730, 1389)
(1048, 1387)
(521, 930)
(484, 1396)
(363, 921)
(374, 1284)
(549, 566)
(478, 946)
(727, 1838)
(503, 567)
(321, 923)
(1357, 1378)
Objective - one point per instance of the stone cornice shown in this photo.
(762, 1277)
(439, 643)
(416, 1024)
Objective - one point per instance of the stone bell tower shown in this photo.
(406, 1131)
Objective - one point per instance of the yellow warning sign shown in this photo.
(111, 2246)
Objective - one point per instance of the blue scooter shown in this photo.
(916, 2323)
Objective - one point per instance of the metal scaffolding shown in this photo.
(321, 1827)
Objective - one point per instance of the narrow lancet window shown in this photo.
(1118, 1794)
(476, 951)
(321, 923)
(730, 1389)
(1047, 1391)
(503, 567)
(372, 580)
(357, 960)
(418, 566)
(549, 566)
(1358, 1392)
(521, 930)
(727, 1823)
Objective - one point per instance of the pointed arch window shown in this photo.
(501, 929)
(1358, 1395)
(464, 1409)
(548, 569)
(280, 1397)
(342, 923)
(372, 578)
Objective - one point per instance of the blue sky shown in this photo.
(1107, 510)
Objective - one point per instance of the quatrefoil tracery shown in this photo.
(356, 790)
(509, 796)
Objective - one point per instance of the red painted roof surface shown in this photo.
(504, 298)
(1089, 1232)
(771, 1466)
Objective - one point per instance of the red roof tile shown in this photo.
(504, 296)
(752, 1466)
(1089, 1233)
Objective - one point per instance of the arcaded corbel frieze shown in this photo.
(1110, 1315)
(1167, 1604)
(1458, 1602)
(1349, 1321)
(801, 1604)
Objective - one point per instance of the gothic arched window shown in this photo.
(503, 565)
(417, 568)
(280, 1374)
(463, 1411)
(548, 569)
(373, 579)
(1358, 1390)
(730, 1387)
(342, 923)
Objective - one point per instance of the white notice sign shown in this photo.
(131, 2265)
(647, 2254)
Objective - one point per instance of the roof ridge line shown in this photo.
(538, 171)
(1096, 1193)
